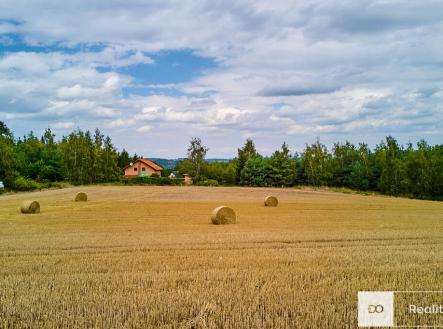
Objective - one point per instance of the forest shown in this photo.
(32, 162)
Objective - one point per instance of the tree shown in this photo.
(83, 158)
(7, 158)
(254, 172)
(77, 152)
(196, 156)
(86, 160)
(389, 155)
(244, 154)
(350, 166)
(111, 171)
(5, 132)
(344, 157)
(50, 169)
(281, 168)
(185, 167)
(29, 157)
(424, 170)
(222, 172)
(98, 166)
(124, 159)
(316, 163)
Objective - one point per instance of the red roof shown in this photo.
(151, 164)
(148, 163)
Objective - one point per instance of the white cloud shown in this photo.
(6, 27)
(119, 123)
(287, 70)
(63, 125)
(110, 86)
(144, 129)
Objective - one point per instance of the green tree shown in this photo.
(98, 164)
(389, 156)
(281, 168)
(424, 170)
(50, 169)
(111, 171)
(5, 132)
(7, 156)
(316, 164)
(87, 160)
(124, 159)
(360, 174)
(344, 158)
(196, 156)
(245, 153)
(29, 156)
(222, 172)
(254, 172)
(77, 157)
(350, 166)
(185, 167)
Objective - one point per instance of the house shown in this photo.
(142, 167)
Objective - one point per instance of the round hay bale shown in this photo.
(271, 201)
(223, 215)
(81, 196)
(30, 207)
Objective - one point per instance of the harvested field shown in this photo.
(149, 257)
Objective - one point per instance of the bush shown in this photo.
(208, 182)
(26, 184)
(140, 180)
(55, 185)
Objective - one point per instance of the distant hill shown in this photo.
(172, 163)
(165, 163)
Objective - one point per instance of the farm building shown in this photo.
(188, 179)
(142, 167)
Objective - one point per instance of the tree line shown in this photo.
(83, 157)
(392, 169)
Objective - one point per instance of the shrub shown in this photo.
(140, 180)
(208, 182)
(26, 184)
(55, 185)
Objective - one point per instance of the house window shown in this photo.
(135, 169)
(143, 169)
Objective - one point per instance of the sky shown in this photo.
(153, 74)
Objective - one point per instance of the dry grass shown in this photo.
(149, 257)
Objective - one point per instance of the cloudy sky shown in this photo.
(152, 74)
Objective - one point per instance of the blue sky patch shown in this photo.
(13, 42)
(169, 67)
